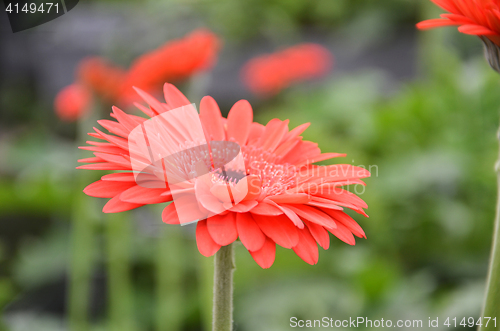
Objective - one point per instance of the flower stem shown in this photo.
(119, 237)
(170, 268)
(83, 241)
(492, 299)
(223, 289)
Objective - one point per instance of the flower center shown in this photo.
(276, 177)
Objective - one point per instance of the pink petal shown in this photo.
(434, 23)
(295, 132)
(129, 122)
(347, 221)
(206, 245)
(477, 30)
(290, 198)
(249, 232)
(320, 234)
(266, 209)
(319, 158)
(115, 205)
(145, 195)
(239, 121)
(211, 117)
(244, 206)
(274, 131)
(256, 130)
(313, 214)
(223, 228)
(106, 189)
(279, 228)
(290, 214)
(343, 234)
(266, 255)
(307, 249)
(114, 127)
(169, 215)
(151, 101)
(174, 97)
(103, 166)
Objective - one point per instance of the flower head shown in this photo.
(269, 74)
(174, 61)
(475, 17)
(241, 179)
(101, 77)
(72, 102)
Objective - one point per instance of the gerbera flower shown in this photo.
(72, 102)
(172, 62)
(279, 197)
(101, 77)
(175, 61)
(267, 75)
(475, 17)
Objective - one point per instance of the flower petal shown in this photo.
(116, 205)
(434, 23)
(174, 97)
(266, 255)
(211, 117)
(320, 234)
(347, 221)
(145, 195)
(477, 30)
(266, 209)
(290, 198)
(239, 121)
(313, 214)
(343, 234)
(107, 189)
(279, 228)
(169, 215)
(249, 232)
(206, 245)
(307, 249)
(222, 228)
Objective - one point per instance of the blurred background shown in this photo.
(421, 108)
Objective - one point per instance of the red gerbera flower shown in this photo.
(175, 61)
(72, 102)
(269, 74)
(279, 198)
(475, 17)
(101, 77)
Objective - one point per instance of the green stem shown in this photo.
(170, 313)
(492, 299)
(84, 220)
(81, 264)
(223, 289)
(121, 316)
(206, 280)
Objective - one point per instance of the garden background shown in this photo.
(421, 108)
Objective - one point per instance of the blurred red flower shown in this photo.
(72, 102)
(269, 74)
(279, 197)
(101, 77)
(175, 61)
(474, 17)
